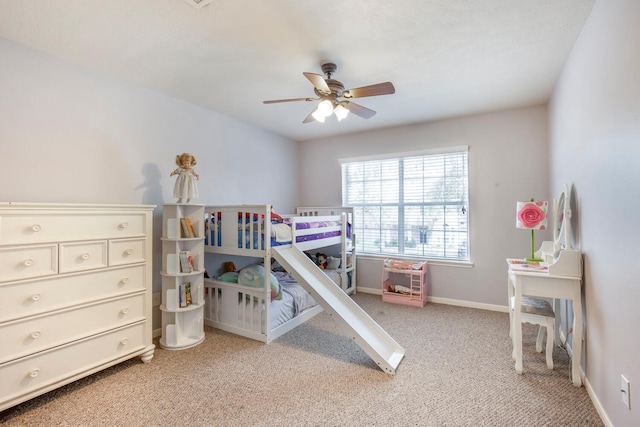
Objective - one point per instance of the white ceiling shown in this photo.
(446, 58)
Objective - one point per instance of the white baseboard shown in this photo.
(369, 291)
(469, 304)
(595, 401)
(447, 301)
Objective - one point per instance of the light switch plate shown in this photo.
(625, 390)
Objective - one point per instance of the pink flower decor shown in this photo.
(532, 215)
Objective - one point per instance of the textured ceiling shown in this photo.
(446, 58)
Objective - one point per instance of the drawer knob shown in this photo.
(125, 310)
(34, 373)
(36, 227)
(124, 341)
(129, 251)
(124, 281)
(124, 225)
(28, 262)
(85, 256)
(35, 335)
(36, 297)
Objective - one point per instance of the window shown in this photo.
(413, 204)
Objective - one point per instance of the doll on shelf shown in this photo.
(186, 186)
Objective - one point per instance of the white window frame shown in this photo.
(435, 241)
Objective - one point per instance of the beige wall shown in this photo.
(595, 146)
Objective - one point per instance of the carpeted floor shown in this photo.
(457, 372)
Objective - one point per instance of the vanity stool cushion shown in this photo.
(537, 306)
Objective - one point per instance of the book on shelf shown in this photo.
(187, 292)
(186, 227)
(184, 294)
(184, 230)
(190, 228)
(186, 262)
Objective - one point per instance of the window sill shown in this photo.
(431, 262)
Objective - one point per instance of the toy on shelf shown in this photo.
(186, 186)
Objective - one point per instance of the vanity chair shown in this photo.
(537, 311)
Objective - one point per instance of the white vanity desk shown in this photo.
(562, 279)
(548, 284)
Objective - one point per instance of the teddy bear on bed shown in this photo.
(321, 260)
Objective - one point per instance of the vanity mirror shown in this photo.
(564, 259)
(562, 219)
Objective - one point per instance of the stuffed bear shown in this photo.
(321, 260)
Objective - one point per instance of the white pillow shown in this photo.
(333, 263)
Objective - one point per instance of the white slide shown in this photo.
(370, 336)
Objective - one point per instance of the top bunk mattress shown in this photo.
(247, 230)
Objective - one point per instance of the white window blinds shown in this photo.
(412, 204)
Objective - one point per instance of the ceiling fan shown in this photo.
(335, 99)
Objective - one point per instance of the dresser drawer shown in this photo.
(33, 334)
(29, 298)
(27, 262)
(52, 367)
(83, 256)
(53, 227)
(126, 251)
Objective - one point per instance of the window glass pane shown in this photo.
(369, 229)
(414, 206)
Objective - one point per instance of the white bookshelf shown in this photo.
(182, 325)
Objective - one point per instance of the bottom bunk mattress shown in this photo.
(242, 310)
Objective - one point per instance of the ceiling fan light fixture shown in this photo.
(325, 108)
(318, 115)
(334, 98)
(340, 112)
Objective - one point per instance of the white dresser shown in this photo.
(75, 293)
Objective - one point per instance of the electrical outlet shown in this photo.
(625, 389)
(155, 299)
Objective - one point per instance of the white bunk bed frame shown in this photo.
(347, 245)
(225, 312)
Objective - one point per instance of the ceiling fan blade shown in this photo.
(385, 88)
(275, 101)
(358, 109)
(309, 118)
(318, 82)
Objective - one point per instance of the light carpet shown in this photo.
(457, 371)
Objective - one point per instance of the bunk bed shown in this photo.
(271, 303)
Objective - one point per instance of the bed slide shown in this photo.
(370, 336)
